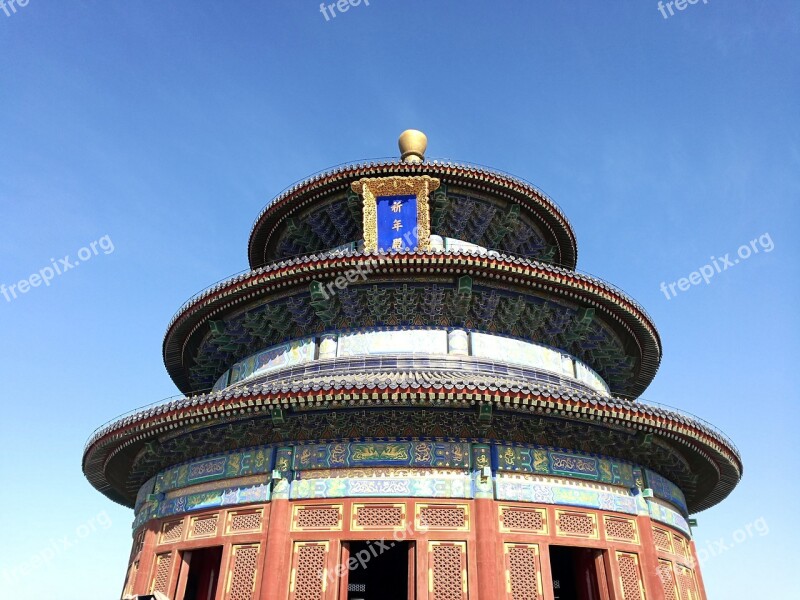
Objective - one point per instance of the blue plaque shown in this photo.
(397, 222)
(395, 212)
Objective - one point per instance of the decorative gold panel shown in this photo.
(308, 579)
(202, 527)
(447, 570)
(523, 572)
(130, 580)
(319, 517)
(667, 577)
(576, 524)
(161, 573)
(662, 539)
(242, 572)
(441, 517)
(687, 583)
(680, 546)
(369, 517)
(372, 188)
(630, 576)
(171, 531)
(244, 521)
(523, 519)
(621, 529)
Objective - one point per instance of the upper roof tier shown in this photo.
(475, 204)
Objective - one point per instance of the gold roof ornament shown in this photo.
(413, 144)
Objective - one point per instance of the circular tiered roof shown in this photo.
(522, 284)
(322, 203)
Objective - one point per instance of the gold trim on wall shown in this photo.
(370, 189)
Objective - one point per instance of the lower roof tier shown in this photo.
(700, 460)
(344, 291)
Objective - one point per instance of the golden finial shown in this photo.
(413, 144)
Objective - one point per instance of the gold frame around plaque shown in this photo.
(371, 188)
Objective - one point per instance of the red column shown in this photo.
(489, 551)
(147, 557)
(701, 588)
(277, 558)
(649, 560)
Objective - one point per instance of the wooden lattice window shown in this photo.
(378, 516)
(242, 575)
(662, 539)
(317, 518)
(577, 524)
(138, 544)
(308, 581)
(630, 576)
(442, 517)
(130, 580)
(171, 531)
(447, 571)
(243, 521)
(161, 574)
(680, 545)
(204, 526)
(618, 528)
(523, 519)
(523, 572)
(667, 577)
(687, 583)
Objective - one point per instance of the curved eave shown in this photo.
(126, 438)
(547, 213)
(620, 311)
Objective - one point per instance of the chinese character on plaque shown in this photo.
(397, 222)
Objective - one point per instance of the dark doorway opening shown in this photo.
(381, 570)
(203, 575)
(578, 573)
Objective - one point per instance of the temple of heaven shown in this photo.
(412, 394)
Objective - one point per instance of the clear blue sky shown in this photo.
(167, 126)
